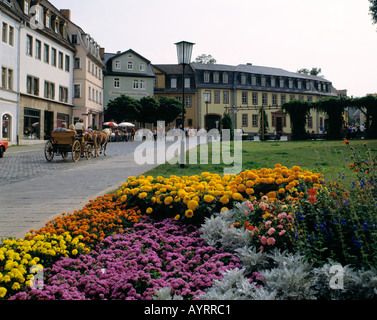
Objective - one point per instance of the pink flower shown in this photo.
(267, 224)
(282, 232)
(271, 241)
(290, 218)
(280, 226)
(283, 215)
(271, 231)
(263, 240)
(249, 205)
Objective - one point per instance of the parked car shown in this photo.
(3, 148)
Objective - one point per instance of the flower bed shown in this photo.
(198, 196)
(202, 236)
(134, 264)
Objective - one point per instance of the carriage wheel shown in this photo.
(88, 151)
(65, 155)
(76, 151)
(49, 151)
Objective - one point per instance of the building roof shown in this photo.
(261, 70)
(173, 68)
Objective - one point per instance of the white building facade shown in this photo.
(9, 64)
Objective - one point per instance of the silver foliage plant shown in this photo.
(287, 276)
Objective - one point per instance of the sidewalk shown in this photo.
(31, 203)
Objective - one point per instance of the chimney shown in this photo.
(102, 53)
(66, 13)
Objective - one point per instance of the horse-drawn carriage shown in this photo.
(64, 142)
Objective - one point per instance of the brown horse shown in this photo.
(101, 138)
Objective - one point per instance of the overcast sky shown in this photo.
(335, 35)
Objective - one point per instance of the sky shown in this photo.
(337, 36)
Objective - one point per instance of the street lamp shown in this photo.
(184, 51)
(207, 99)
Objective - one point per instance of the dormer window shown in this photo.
(225, 78)
(206, 77)
(243, 79)
(48, 21)
(27, 7)
(56, 26)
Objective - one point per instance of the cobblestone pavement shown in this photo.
(34, 191)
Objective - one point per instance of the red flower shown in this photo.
(312, 199)
(312, 192)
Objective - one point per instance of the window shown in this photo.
(117, 64)
(60, 117)
(264, 99)
(67, 63)
(116, 82)
(48, 21)
(217, 96)
(11, 36)
(187, 83)
(299, 85)
(281, 83)
(60, 61)
(4, 73)
(310, 98)
(307, 85)
(255, 120)
(32, 118)
(216, 78)
(243, 79)
(263, 81)
(310, 122)
(77, 63)
(46, 53)
(283, 99)
(53, 57)
(173, 83)
(32, 85)
(130, 65)
(142, 67)
(225, 78)
(136, 84)
(4, 33)
(10, 79)
(292, 97)
(188, 101)
(273, 82)
(244, 120)
(29, 45)
(63, 94)
(255, 98)
(90, 93)
(88, 65)
(253, 80)
(49, 90)
(27, 8)
(290, 84)
(226, 97)
(38, 49)
(206, 77)
(77, 91)
(142, 84)
(274, 99)
(244, 97)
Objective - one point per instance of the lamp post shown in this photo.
(207, 99)
(184, 51)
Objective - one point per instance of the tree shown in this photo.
(373, 10)
(368, 106)
(169, 109)
(263, 127)
(298, 112)
(334, 108)
(149, 112)
(205, 59)
(122, 108)
(226, 123)
(312, 72)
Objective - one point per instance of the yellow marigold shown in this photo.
(249, 184)
(143, 195)
(3, 292)
(177, 217)
(241, 188)
(237, 196)
(271, 194)
(281, 190)
(208, 198)
(249, 191)
(224, 199)
(192, 204)
(168, 200)
(149, 210)
(189, 213)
